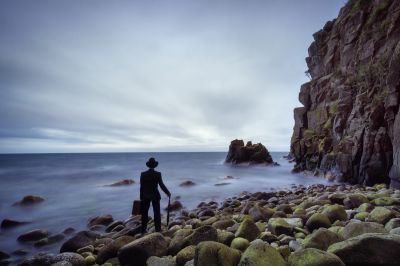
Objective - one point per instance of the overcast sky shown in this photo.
(84, 76)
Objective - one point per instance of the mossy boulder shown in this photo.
(337, 197)
(362, 216)
(355, 200)
(365, 207)
(279, 226)
(368, 249)
(258, 213)
(318, 220)
(225, 237)
(314, 257)
(393, 223)
(321, 239)
(335, 212)
(137, 252)
(248, 229)
(157, 261)
(110, 250)
(261, 254)
(203, 233)
(185, 255)
(380, 215)
(177, 241)
(240, 243)
(386, 201)
(358, 228)
(209, 253)
(223, 224)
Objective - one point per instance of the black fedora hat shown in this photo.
(152, 163)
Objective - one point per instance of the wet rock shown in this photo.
(124, 182)
(261, 254)
(49, 240)
(279, 226)
(187, 183)
(355, 200)
(164, 261)
(258, 213)
(110, 249)
(80, 240)
(393, 223)
(112, 225)
(321, 239)
(380, 215)
(223, 224)
(314, 257)
(203, 233)
(176, 243)
(225, 237)
(29, 200)
(318, 220)
(38, 260)
(137, 252)
(335, 212)
(368, 249)
(9, 223)
(240, 243)
(174, 206)
(185, 255)
(68, 231)
(104, 219)
(3, 255)
(222, 184)
(63, 263)
(73, 258)
(355, 229)
(211, 253)
(251, 153)
(33, 235)
(248, 229)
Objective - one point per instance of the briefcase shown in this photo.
(136, 207)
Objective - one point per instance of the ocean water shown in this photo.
(74, 186)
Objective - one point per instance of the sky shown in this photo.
(134, 76)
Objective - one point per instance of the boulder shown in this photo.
(41, 259)
(240, 243)
(337, 197)
(176, 205)
(185, 255)
(187, 183)
(251, 153)
(261, 254)
(393, 223)
(137, 252)
(203, 233)
(368, 249)
(321, 239)
(104, 219)
(124, 182)
(258, 213)
(279, 226)
(110, 250)
(73, 258)
(353, 201)
(335, 212)
(314, 257)
(225, 237)
(164, 261)
(209, 253)
(29, 200)
(380, 215)
(33, 235)
(248, 229)
(356, 228)
(9, 223)
(176, 243)
(80, 240)
(49, 240)
(223, 224)
(318, 220)
(386, 201)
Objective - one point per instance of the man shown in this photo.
(149, 181)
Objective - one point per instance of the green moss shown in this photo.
(357, 5)
(377, 11)
(333, 107)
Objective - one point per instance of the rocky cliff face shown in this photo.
(349, 125)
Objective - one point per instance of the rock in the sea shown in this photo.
(261, 254)
(318, 220)
(209, 253)
(353, 229)
(321, 239)
(40, 259)
(33, 235)
(104, 219)
(369, 249)
(248, 229)
(314, 257)
(49, 240)
(9, 223)
(29, 200)
(124, 182)
(137, 252)
(187, 183)
(185, 255)
(250, 153)
(80, 240)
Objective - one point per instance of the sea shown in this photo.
(75, 186)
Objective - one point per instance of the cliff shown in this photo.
(349, 125)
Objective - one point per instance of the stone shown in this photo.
(33, 235)
(73, 258)
(209, 253)
(385, 201)
(137, 252)
(90, 260)
(337, 197)
(261, 254)
(176, 243)
(124, 182)
(223, 224)
(240, 243)
(164, 261)
(104, 219)
(353, 229)
(335, 212)
(314, 257)
(225, 237)
(258, 213)
(393, 223)
(49, 240)
(268, 237)
(29, 200)
(80, 240)
(187, 183)
(4, 256)
(41, 259)
(176, 205)
(110, 250)
(185, 255)
(321, 239)
(362, 216)
(318, 220)
(9, 223)
(248, 229)
(251, 153)
(63, 263)
(368, 249)
(203, 233)
(353, 201)
(280, 226)
(380, 215)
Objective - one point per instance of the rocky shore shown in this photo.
(316, 225)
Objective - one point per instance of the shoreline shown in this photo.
(284, 223)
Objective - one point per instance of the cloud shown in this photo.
(155, 75)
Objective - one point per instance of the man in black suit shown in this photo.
(149, 181)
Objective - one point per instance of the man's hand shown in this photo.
(169, 194)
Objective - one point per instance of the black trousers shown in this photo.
(145, 205)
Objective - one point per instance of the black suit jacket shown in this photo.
(149, 181)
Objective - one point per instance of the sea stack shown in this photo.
(349, 124)
(248, 154)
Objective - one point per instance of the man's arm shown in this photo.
(163, 187)
(141, 187)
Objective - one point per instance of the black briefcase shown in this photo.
(136, 207)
